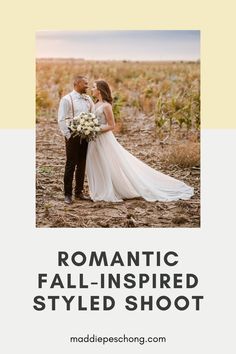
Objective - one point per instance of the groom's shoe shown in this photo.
(68, 199)
(81, 196)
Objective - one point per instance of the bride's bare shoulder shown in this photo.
(107, 106)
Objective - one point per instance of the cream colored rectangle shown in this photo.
(215, 21)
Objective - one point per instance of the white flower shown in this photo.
(86, 125)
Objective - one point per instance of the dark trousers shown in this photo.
(76, 152)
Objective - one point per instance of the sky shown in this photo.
(119, 45)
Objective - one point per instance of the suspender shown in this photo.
(72, 106)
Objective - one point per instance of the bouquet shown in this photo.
(85, 125)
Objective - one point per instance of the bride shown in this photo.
(113, 173)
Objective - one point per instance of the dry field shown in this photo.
(157, 110)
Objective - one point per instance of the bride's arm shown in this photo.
(110, 119)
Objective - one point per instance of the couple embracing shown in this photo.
(113, 173)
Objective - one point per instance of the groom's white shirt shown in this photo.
(81, 103)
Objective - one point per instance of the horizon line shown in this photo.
(123, 60)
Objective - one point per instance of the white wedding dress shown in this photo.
(114, 174)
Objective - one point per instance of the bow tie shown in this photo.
(83, 96)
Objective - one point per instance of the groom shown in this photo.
(70, 106)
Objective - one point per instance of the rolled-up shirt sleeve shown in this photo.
(63, 113)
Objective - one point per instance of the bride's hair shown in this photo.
(105, 90)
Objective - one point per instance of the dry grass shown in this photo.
(186, 155)
(168, 90)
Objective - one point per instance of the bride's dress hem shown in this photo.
(136, 198)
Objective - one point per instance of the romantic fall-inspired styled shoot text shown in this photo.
(120, 282)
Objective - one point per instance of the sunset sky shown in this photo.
(119, 45)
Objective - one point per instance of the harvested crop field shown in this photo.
(148, 130)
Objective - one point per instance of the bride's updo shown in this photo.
(105, 90)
